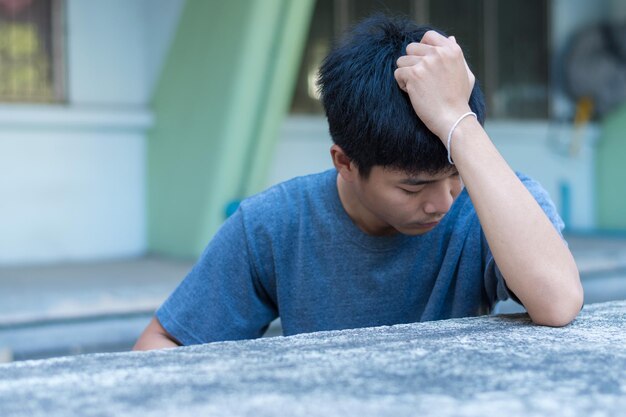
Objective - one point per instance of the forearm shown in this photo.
(536, 264)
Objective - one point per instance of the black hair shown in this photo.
(369, 116)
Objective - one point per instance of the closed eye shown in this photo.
(410, 192)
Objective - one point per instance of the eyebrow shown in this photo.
(417, 181)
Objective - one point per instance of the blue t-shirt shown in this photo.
(292, 251)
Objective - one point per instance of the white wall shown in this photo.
(106, 54)
(117, 48)
(72, 177)
(72, 194)
(303, 148)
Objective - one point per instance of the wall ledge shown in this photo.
(62, 117)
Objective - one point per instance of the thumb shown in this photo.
(452, 38)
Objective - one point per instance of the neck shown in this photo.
(364, 219)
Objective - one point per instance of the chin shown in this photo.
(416, 229)
(413, 231)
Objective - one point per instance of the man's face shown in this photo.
(411, 204)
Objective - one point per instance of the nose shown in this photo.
(439, 201)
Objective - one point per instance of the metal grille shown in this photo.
(506, 43)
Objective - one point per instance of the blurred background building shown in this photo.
(129, 129)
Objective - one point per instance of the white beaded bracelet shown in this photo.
(463, 116)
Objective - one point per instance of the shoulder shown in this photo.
(543, 199)
(289, 193)
(537, 191)
(531, 184)
(286, 201)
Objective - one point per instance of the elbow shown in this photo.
(554, 319)
(563, 308)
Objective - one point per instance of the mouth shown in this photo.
(426, 225)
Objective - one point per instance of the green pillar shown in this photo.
(221, 97)
(611, 172)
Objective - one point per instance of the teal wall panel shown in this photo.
(611, 172)
(218, 105)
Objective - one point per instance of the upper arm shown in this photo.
(221, 298)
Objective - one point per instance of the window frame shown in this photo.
(58, 43)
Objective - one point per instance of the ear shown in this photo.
(345, 167)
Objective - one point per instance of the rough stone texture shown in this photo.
(482, 366)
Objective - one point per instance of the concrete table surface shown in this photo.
(492, 365)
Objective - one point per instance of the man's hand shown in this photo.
(437, 79)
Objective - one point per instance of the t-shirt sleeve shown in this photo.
(495, 284)
(221, 298)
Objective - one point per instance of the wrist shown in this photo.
(469, 114)
(445, 123)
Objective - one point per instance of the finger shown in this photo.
(408, 61)
(401, 77)
(419, 49)
(434, 38)
(452, 38)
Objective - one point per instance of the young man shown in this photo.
(421, 219)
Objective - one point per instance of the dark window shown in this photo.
(31, 64)
(505, 43)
